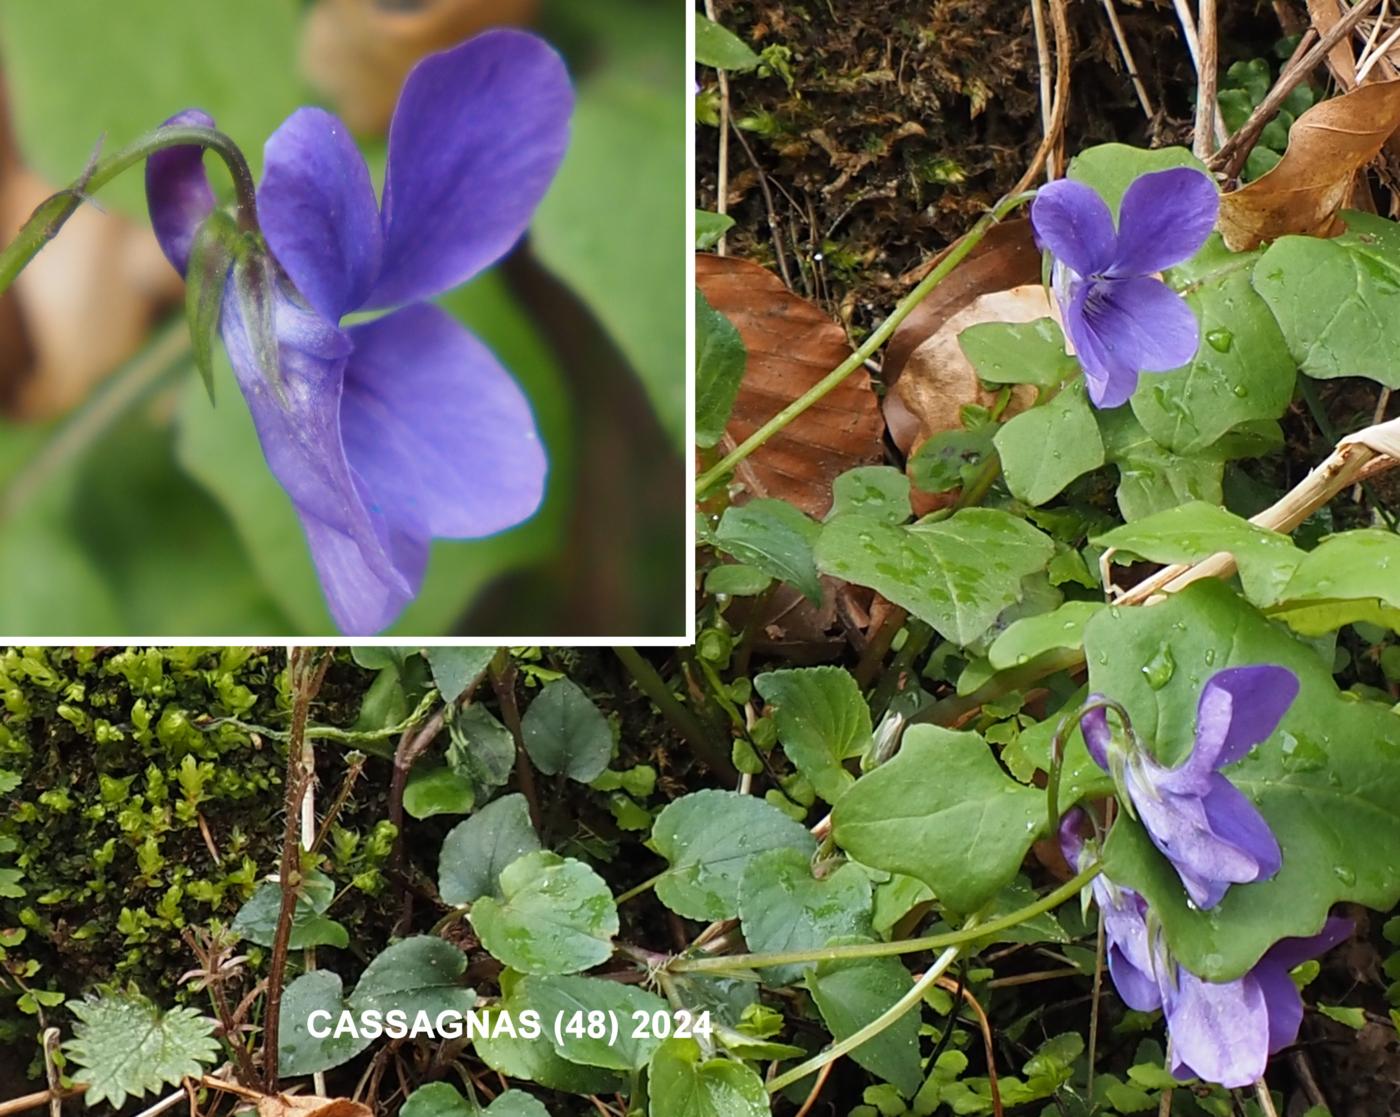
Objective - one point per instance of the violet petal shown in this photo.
(1292, 952)
(1219, 1030)
(1163, 220)
(177, 192)
(301, 439)
(1072, 221)
(317, 209)
(441, 436)
(1142, 323)
(476, 138)
(1232, 817)
(1097, 735)
(361, 601)
(1239, 707)
(1110, 379)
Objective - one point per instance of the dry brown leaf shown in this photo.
(309, 1105)
(357, 52)
(791, 345)
(929, 378)
(1303, 194)
(82, 307)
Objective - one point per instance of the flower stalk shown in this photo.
(53, 213)
(738, 962)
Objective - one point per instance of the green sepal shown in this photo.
(211, 257)
(255, 287)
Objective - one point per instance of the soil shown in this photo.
(905, 120)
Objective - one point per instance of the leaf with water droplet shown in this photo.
(1344, 811)
(963, 833)
(1045, 448)
(1337, 299)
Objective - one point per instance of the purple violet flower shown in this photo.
(1208, 830)
(1120, 318)
(1221, 1032)
(405, 428)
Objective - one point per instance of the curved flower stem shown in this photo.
(874, 1028)
(1068, 724)
(963, 935)
(712, 476)
(52, 213)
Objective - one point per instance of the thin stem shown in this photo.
(682, 719)
(733, 962)
(1068, 724)
(913, 997)
(637, 889)
(712, 476)
(51, 214)
(1204, 139)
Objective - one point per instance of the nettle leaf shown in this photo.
(718, 47)
(419, 974)
(709, 838)
(438, 790)
(957, 574)
(682, 1081)
(125, 1046)
(944, 812)
(1353, 568)
(1327, 781)
(476, 851)
(453, 668)
(720, 358)
(1018, 352)
(561, 997)
(1042, 450)
(782, 906)
(555, 916)
(822, 721)
(256, 920)
(1198, 530)
(877, 490)
(850, 994)
(1242, 371)
(565, 732)
(1337, 300)
(776, 538)
(1029, 637)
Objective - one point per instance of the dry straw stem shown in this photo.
(1059, 109)
(1357, 457)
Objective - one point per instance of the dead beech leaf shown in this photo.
(929, 378)
(791, 345)
(357, 52)
(1303, 194)
(309, 1105)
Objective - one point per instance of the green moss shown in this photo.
(126, 817)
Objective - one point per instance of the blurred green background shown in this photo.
(129, 506)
